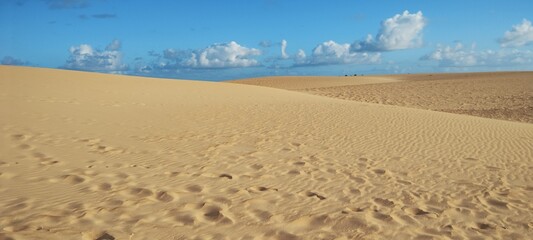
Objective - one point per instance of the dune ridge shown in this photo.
(498, 95)
(84, 154)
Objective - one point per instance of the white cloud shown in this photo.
(284, 54)
(519, 35)
(300, 57)
(175, 55)
(223, 55)
(330, 52)
(115, 45)
(459, 56)
(453, 56)
(401, 31)
(85, 57)
(172, 61)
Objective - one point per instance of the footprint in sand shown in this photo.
(382, 217)
(260, 189)
(214, 214)
(40, 156)
(172, 174)
(73, 179)
(224, 175)
(164, 196)
(295, 144)
(256, 166)
(313, 194)
(20, 137)
(101, 187)
(261, 215)
(415, 211)
(194, 188)
(25, 146)
(185, 219)
(484, 226)
(140, 192)
(299, 163)
(384, 202)
(352, 191)
(293, 172)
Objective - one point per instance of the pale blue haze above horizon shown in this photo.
(220, 40)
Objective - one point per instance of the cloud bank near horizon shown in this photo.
(87, 58)
(402, 31)
(459, 56)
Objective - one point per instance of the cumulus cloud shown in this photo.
(330, 52)
(9, 60)
(460, 56)
(453, 56)
(284, 54)
(85, 57)
(66, 4)
(173, 54)
(401, 31)
(216, 56)
(300, 56)
(223, 55)
(519, 35)
(170, 60)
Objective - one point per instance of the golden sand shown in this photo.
(86, 154)
(498, 95)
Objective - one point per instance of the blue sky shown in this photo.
(218, 40)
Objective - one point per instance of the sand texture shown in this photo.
(83, 155)
(310, 82)
(503, 95)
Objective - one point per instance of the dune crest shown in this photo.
(94, 156)
(497, 95)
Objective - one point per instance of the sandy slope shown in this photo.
(499, 95)
(307, 82)
(138, 158)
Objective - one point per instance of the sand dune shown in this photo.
(307, 82)
(86, 154)
(499, 95)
